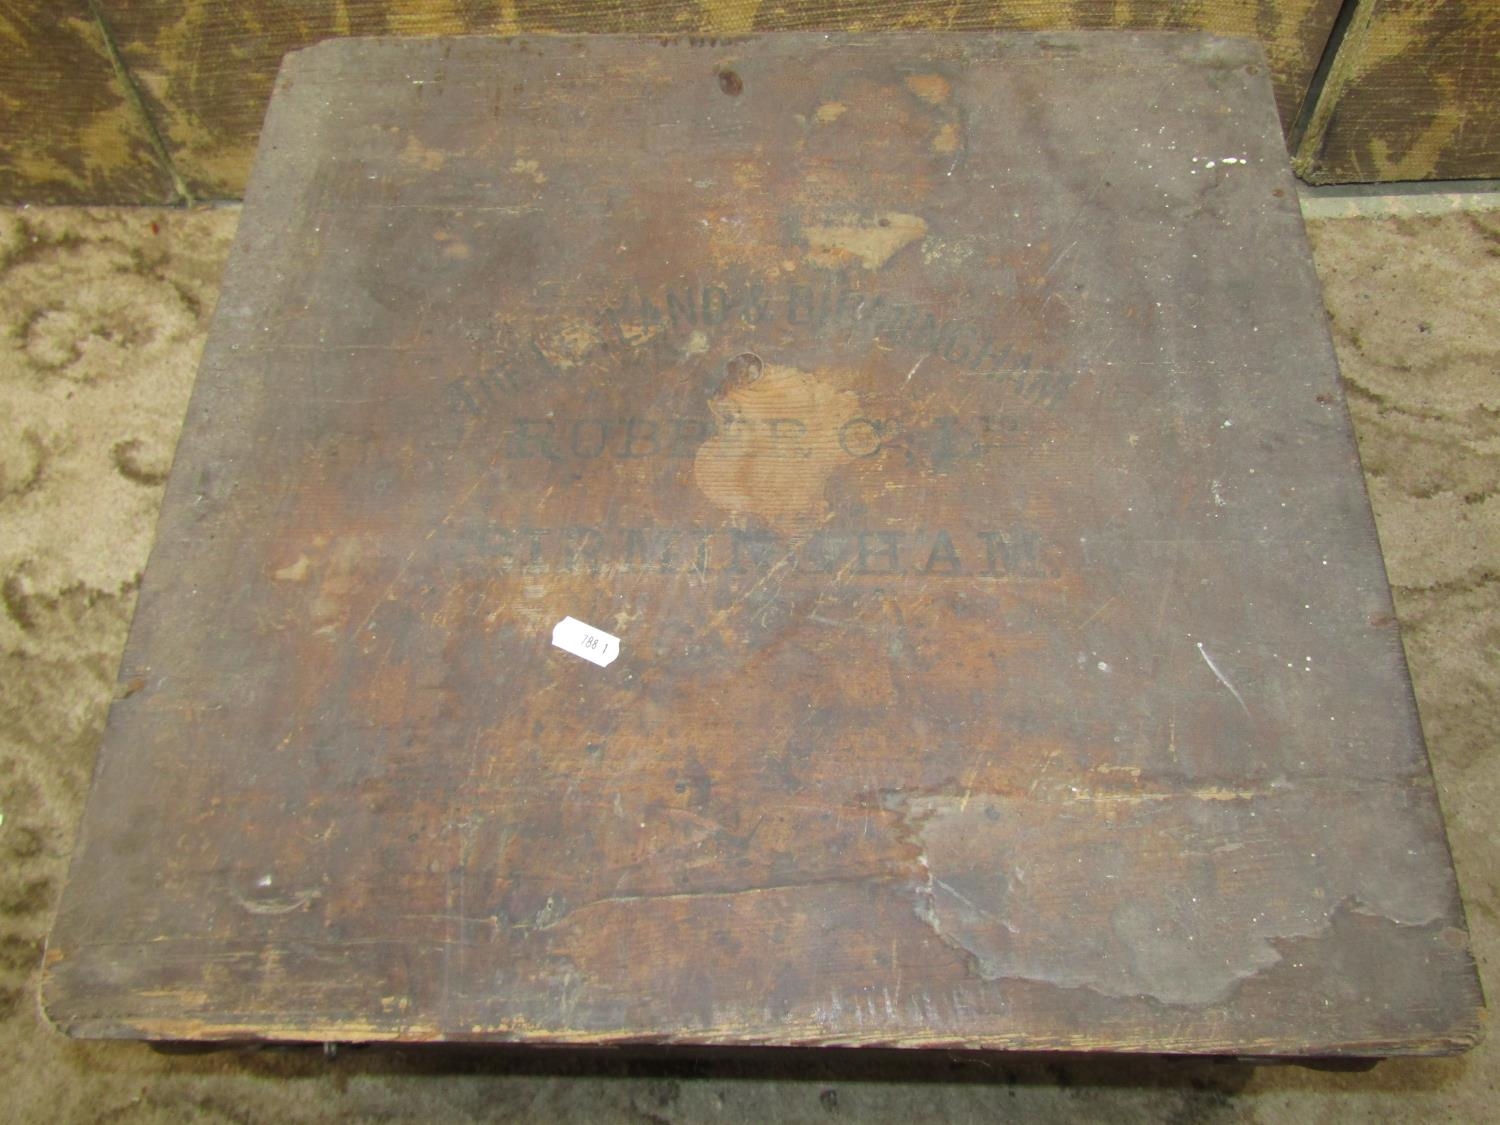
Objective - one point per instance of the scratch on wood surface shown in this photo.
(1046, 765)
(1214, 668)
(1109, 601)
(1058, 259)
(969, 785)
(412, 554)
(706, 894)
(276, 905)
(970, 903)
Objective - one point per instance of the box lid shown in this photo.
(943, 433)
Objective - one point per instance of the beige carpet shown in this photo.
(102, 315)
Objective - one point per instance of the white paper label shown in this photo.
(594, 645)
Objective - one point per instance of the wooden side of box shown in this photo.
(203, 70)
(69, 129)
(1413, 94)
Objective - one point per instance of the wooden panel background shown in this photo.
(1414, 94)
(68, 130)
(204, 68)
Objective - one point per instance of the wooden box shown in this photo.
(942, 433)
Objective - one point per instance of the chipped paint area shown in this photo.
(262, 901)
(293, 571)
(567, 343)
(530, 169)
(1178, 897)
(871, 240)
(777, 442)
(933, 89)
(949, 251)
(418, 155)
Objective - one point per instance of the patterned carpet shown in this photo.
(102, 316)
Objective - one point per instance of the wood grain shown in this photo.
(949, 431)
(69, 132)
(1413, 95)
(206, 67)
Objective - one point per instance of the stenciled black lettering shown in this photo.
(945, 443)
(532, 437)
(943, 554)
(1048, 388)
(983, 353)
(847, 302)
(992, 426)
(755, 548)
(867, 319)
(1012, 554)
(650, 548)
(536, 560)
(501, 547)
(1009, 367)
(541, 354)
(874, 546)
(640, 439)
(824, 553)
(611, 316)
(861, 437)
(757, 306)
(952, 343)
(715, 305)
(799, 303)
(464, 395)
(648, 314)
(997, 359)
(588, 436)
(683, 308)
(582, 547)
(700, 553)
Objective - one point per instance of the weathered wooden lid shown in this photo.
(937, 444)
